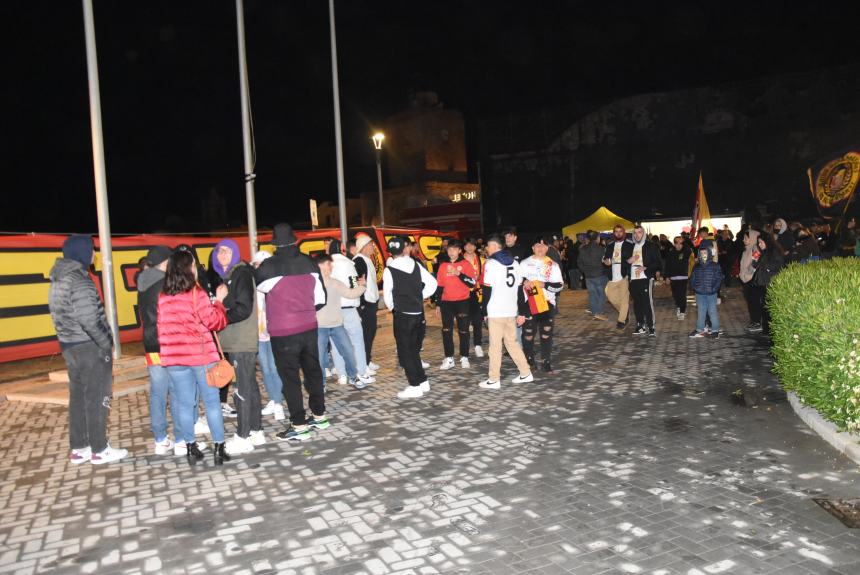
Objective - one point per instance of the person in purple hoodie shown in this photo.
(294, 292)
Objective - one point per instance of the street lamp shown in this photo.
(377, 138)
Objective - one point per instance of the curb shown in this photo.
(846, 443)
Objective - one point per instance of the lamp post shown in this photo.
(377, 138)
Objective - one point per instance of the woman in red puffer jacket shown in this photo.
(186, 319)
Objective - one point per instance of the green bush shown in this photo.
(815, 310)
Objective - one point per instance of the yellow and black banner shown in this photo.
(833, 184)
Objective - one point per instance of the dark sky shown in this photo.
(170, 98)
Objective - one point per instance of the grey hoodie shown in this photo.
(747, 271)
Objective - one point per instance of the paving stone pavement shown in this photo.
(633, 458)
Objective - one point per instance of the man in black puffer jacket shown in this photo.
(85, 340)
(149, 284)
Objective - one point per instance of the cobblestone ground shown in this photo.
(633, 458)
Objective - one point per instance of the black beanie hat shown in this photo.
(283, 235)
(158, 254)
(79, 248)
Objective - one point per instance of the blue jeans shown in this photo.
(352, 325)
(340, 342)
(707, 305)
(160, 386)
(271, 379)
(596, 293)
(188, 383)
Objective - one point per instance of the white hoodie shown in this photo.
(343, 270)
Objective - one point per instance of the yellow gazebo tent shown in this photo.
(600, 221)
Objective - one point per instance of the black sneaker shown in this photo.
(715, 335)
(651, 332)
(754, 328)
(620, 325)
(293, 434)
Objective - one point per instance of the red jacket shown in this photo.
(453, 288)
(184, 333)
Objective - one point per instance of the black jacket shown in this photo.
(76, 310)
(767, 266)
(149, 284)
(650, 258)
(518, 251)
(590, 261)
(626, 253)
(678, 262)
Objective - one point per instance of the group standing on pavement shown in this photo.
(289, 313)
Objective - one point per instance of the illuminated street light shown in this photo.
(377, 138)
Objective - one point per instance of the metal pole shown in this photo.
(379, 182)
(481, 197)
(247, 141)
(100, 177)
(341, 188)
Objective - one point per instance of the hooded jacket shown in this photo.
(343, 270)
(185, 323)
(747, 271)
(651, 260)
(241, 333)
(707, 276)
(76, 310)
(767, 266)
(294, 291)
(678, 262)
(784, 237)
(149, 284)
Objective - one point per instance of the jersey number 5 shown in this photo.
(510, 276)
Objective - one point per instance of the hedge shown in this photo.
(815, 311)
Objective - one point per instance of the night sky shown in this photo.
(170, 94)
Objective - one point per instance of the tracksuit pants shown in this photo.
(643, 301)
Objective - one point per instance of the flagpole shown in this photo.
(247, 140)
(105, 248)
(341, 187)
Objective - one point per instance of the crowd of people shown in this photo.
(303, 319)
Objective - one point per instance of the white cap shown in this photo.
(361, 241)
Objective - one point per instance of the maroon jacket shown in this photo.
(184, 332)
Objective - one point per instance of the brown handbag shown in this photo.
(222, 372)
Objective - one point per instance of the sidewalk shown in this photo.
(636, 457)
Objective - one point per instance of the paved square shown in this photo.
(633, 458)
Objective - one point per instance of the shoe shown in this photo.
(715, 335)
(221, 454)
(227, 411)
(464, 362)
(293, 433)
(372, 366)
(108, 455)
(279, 412)
(695, 334)
(163, 447)
(620, 324)
(588, 312)
(366, 379)
(201, 427)
(479, 351)
(328, 373)
(447, 364)
(269, 409)
(640, 331)
(682, 316)
(425, 365)
(523, 378)
(78, 456)
(425, 386)
(370, 372)
(342, 380)
(179, 448)
(318, 422)
(547, 366)
(754, 328)
(357, 383)
(489, 384)
(236, 446)
(652, 332)
(411, 392)
(600, 317)
(193, 453)
(257, 438)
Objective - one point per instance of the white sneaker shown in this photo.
(227, 411)
(425, 365)
(372, 366)
(109, 455)
(78, 456)
(520, 379)
(411, 392)
(447, 364)
(464, 362)
(370, 372)
(341, 380)
(489, 384)
(269, 409)
(239, 445)
(479, 352)
(257, 438)
(425, 386)
(278, 412)
(164, 447)
(366, 378)
(201, 426)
